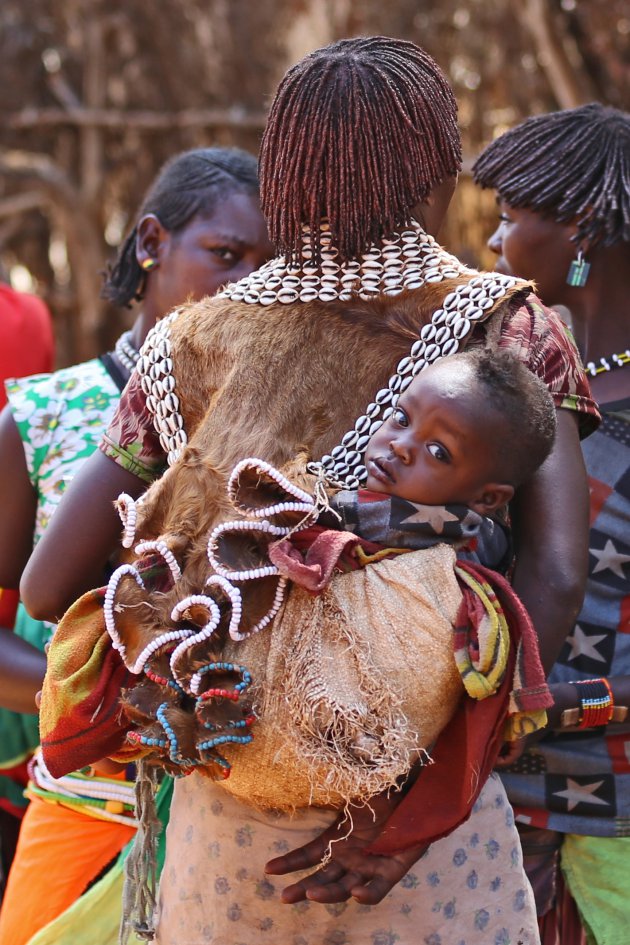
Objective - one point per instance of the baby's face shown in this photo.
(436, 448)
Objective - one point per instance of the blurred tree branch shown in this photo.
(84, 243)
(110, 118)
(97, 94)
(551, 40)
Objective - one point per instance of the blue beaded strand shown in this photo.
(223, 740)
(246, 678)
(173, 746)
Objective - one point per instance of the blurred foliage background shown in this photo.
(98, 93)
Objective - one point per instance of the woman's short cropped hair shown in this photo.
(359, 132)
(569, 165)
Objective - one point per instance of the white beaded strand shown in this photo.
(269, 616)
(128, 513)
(236, 600)
(250, 574)
(108, 603)
(178, 613)
(164, 639)
(304, 502)
(144, 547)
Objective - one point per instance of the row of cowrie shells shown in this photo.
(449, 324)
(406, 262)
(155, 367)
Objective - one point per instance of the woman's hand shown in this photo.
(349, 871)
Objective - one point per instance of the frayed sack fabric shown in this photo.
(350, 686)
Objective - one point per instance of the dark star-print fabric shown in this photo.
(580, 782)
(397, 523)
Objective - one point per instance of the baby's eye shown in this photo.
(504, 218)
(438, 452)
(400, 417)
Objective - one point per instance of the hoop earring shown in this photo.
(148, 264)
(578, 271)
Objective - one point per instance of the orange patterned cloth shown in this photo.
(70, 849)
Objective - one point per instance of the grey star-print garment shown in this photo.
(580, 782)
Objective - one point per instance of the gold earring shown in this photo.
(149, 264)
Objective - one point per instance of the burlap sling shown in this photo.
(351, 685)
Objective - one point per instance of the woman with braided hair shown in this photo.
(199, 226)
(301, 361)
(563, 187)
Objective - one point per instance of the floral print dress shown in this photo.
(60, 418)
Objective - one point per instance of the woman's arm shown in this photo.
(22, 670)
(566, 696)
(550, 520)
(19, 504)
(85, 530)
(22, 666)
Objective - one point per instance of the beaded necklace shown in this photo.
(407, 260)
(125, 352)
(604, 364)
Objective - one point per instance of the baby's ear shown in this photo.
(492, 497)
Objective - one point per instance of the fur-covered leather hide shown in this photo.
(282, 383)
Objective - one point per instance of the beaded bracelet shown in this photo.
(596, 702)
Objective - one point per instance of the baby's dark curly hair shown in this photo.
(523, 400)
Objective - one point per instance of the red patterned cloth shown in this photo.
(467, 749)
(26, 337)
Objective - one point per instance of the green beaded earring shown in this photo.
(578, 271)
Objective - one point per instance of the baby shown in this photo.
(466, 433)
(349, 698)
(468, 430)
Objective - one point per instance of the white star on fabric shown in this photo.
(581, 794)
(584, 645)
(435, 515)
(609, 559)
